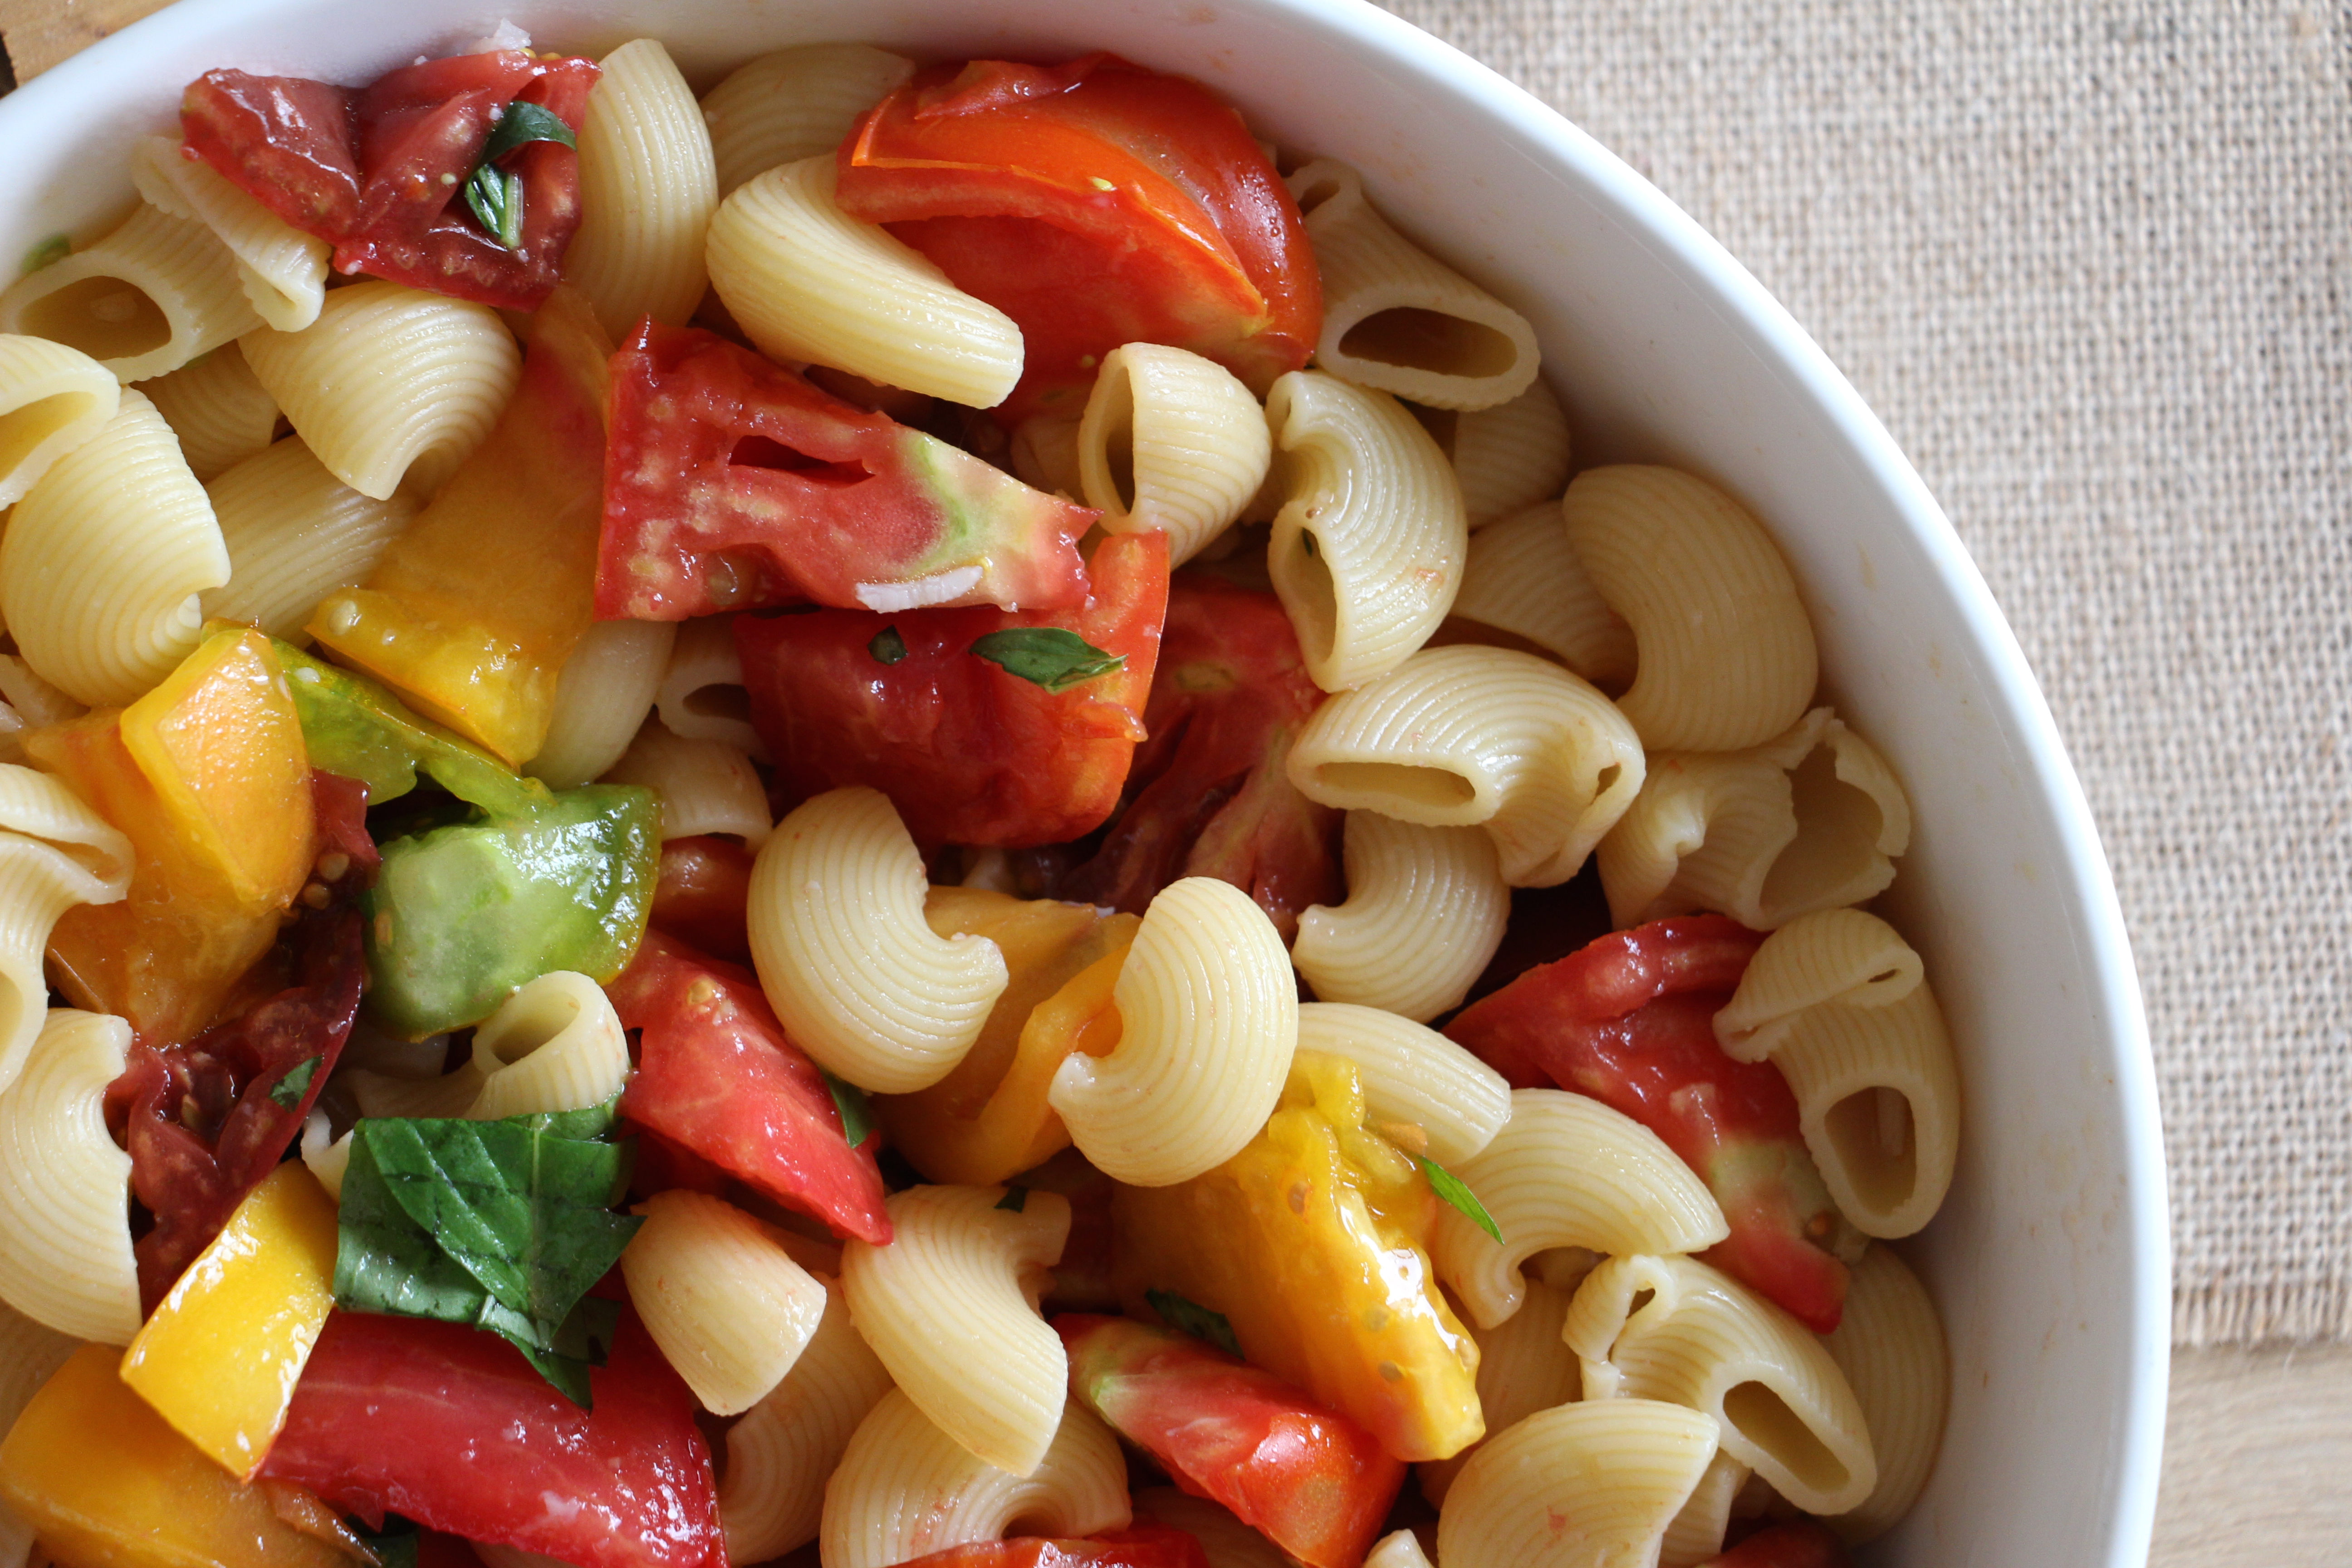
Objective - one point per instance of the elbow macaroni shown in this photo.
(647, 188)
(701, 696)
(1510, 456)
(144, 301)
(607, 688)
(721, 1297)
(52, 399)
(1425, 912)
(1412, 1074)
(54, 853)
(555, 1045)
(781, 1453)
(1522, 1368)
(295, 533)
(282, 270)
(1169, 440)
(706, 787)
(794, 104)
(1590, 1485)
(65, 1187)
(1890, 1348)
(219, 410)
(1523, 578)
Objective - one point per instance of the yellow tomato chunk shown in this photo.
(221, 1355)
(105, 1482)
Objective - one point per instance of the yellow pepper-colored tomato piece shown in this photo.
(474, 608)
(988, 1119)
(220, 1356)
(106, 1483)
(1311, 1241)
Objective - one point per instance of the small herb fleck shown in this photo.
(1455, 1191)
(887, 646)
(857, 1115)
(1190, 1316)
(1313, 549)
(294, 1083)
(55, 248)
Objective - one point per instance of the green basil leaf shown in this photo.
(386, 1262)
(585, 1341)
(523, 123)
(856, 1114)
(1014, 1198)
(1047, 656)
(496, 197)
(887, 646)
(294, 1083)
(595, 1121)
(1455, 1191)
(1190, 1316)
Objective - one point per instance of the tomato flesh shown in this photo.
(703, 895)
(1799, 1544)
(1138, 1546)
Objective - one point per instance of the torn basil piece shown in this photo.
(1047, 656)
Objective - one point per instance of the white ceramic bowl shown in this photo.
(2050, 1261)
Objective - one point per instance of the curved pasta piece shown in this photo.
(905, 1488)
(104, 558)
(1811, 820)
(794, 104)
(706, 787)
(1456, 737)
(327, 1155)
(65, 1188)
(443, 1095)
(1398, 1548)
(1523, 578)
(702, 696)
(1209, 1021)
(1173, 441)
(1367, 550)
(52, 399)
(951, 1306)
(1592, 1485)
(152, 295)
(1696, 1533)
(1890, 1345)
(1650, 1327)
(807, 282)
(1507, 457)
(607, 688)
(54, 853)
(780, 1453)
(29, 1352)
(1849, 957)
(281, 271)
(1522, 1368)
(721, 1297)
(555, 1045)
(1427, 909)
(390, 383)
(647, 188)
(1224, 1540)
(1566, 1171)
(295, 534)
(219, 410)
(1396, 318)
(1411, 1073)
(1726, 655)
(856, 974)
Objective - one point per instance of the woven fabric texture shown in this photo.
(2092, 264)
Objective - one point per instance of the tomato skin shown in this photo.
(1312, 1481)
(969, 754)
(1096, 203)
(1138, 1546)
(1799, 1544)
(717, 1074)
(703, 895)
(289, 142)
(1629, 1020)
(450, 1427)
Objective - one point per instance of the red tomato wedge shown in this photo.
(731, 483)
(969, 752)
(1208, 795)
(1801, 1544)
(702, 894)
(718, 1076)
(1629, 1020)
(1096, 203)
(1140, 1546)
(1309, 1479)
(451, 1428)
(379, 173)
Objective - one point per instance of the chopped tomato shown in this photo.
(968, 752)
(702, 896)
(1310, 1479)
(1629, 1020)
(379, 173)
(733, 483)
(1138, 1546)
(1096, 203)
(1799, 1544)
(717, 1074)
(451, 1428)
(1208, 795)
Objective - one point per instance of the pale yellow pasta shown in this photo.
(1225, 1540)
(1398, 1548)
(701, 696)
(438, 1095)
(1367, 550)
(1846, 956)
(555, 1045)
(951, 1306)
(1523, 578)
(1890, 1348)
(1171, 441)
(104, 558)
(1425, 912)
(219, 410)
(1396, 318)
(794, 104)
(327, 1155)
(706, 787)
(1813, 819)
(1044, 454)
(1592, 1485)
(1725, 655)
(54, 853)
(858, 976)
(152, 295)
(34, 700)
(1506, 458)
(65, 1187)
(1209, 1021)
(1457, 737)
(647, 188)
(1522, 1368)
(1412, 1077)
(29, 1352)
(1566, 1171)
(390, 383)
(780, 1455)
(1696, 1533)
(807, 282)
(724, 1300)
(52, 399)
(608, 686)
(1668, 1328)
(905, 1488)
(295, 533)
(281, 271)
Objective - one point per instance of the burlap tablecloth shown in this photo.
(2092, 263)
